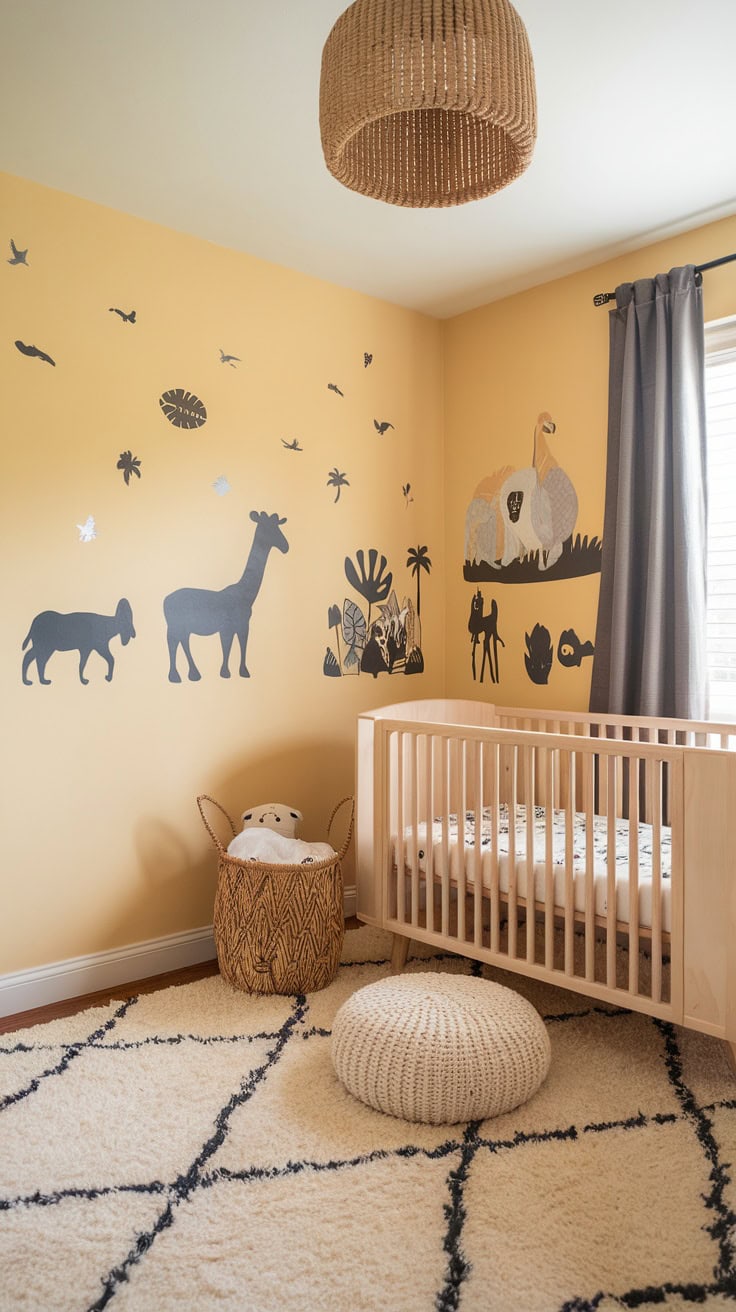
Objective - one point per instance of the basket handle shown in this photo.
(349, 835)
(204, 797)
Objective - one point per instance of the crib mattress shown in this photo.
(465, 854)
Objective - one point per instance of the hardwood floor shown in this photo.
(69, 1006)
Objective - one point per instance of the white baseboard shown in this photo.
(24, 990)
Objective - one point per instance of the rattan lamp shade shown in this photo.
(427, 103)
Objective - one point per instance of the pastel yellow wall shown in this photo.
(102, 843)
(103, 846)
(545, 349)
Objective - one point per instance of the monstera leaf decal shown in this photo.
(353, 631)
(373, 584)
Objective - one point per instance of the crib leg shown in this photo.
(399, 952)
(731, 1054)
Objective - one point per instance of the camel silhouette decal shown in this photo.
(227, 612)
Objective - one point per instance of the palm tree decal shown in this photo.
(418, 560)
(129, 464)
(338, 480)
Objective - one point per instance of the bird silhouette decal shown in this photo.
(333, 387)
(367, 359)
(229, 359)
(126, 318)
(19, 257)
(381, 428)
(292, 446)
(34, 350)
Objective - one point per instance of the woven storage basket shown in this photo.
(278, 928)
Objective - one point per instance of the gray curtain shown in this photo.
(650, 652)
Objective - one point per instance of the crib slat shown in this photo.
(495, 802)
(400, 855)
(633, 874)
(414, 822)
(445, 893)
(462, 852)
(654, 789)
(478, 885)
(569, 872)
(529, 767)
(557, 799)
(589, 869)
(618, 734)
(429, 843)
(549, 874)
(611, 803)
(513, 892)
(677, 928)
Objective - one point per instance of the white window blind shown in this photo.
(720, 402)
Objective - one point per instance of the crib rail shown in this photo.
(551, 881)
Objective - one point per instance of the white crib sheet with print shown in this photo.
(447, 852)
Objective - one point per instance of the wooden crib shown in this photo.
(597, 853)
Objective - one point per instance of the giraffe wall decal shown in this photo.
(203, 611)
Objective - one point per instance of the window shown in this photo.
(720, 410)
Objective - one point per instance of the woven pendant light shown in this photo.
(427, 102)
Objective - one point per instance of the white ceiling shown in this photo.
(203, 115)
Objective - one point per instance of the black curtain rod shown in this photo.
(603, 298)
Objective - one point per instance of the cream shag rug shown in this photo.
(193, 1149)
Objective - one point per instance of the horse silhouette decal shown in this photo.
(81, 631)
(227, 612)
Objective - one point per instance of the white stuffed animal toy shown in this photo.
(273, 815)
(269, 835)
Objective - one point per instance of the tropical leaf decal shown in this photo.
(330, 665)
(183, 409)
(353, 631)
(372, 583)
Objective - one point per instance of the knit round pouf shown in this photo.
(439, 1048)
